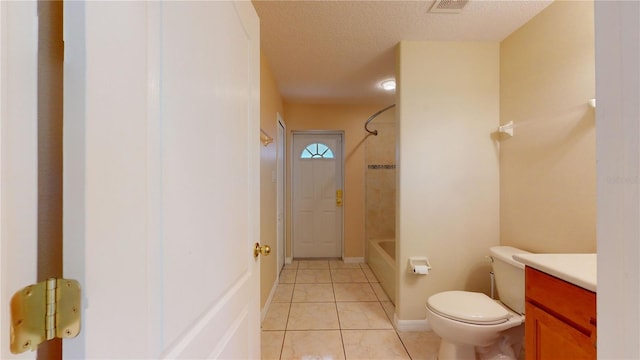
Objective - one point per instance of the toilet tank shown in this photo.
(509, 276)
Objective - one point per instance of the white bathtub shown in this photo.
(382, 261)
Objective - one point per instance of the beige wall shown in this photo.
(547, 170)
(448, 176)
(350, 119)
(270, 105)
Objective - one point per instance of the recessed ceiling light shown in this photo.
(388, 85)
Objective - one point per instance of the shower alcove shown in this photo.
(380, 207)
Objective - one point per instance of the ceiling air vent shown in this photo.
(448, 6)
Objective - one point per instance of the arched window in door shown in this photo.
(316, 151)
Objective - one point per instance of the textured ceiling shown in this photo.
(339, 51)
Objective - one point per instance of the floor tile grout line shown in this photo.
(344, 348)
(310, 330)
(403, 344)
(284, 337)
(287, 323)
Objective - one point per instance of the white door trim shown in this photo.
(281, 196)
(342, 181)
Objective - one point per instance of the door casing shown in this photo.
(281, 218)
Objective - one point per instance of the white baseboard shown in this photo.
(411, 325)
(267, 304)
(353, 260)
(288, 260)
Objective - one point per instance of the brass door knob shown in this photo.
(264, 250)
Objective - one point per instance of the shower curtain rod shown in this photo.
(375, 132)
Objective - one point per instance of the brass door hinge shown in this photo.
(44, 311)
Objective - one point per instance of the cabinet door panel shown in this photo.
(549, 338)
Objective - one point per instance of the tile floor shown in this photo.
(325, 309)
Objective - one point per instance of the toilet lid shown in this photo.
(469, 307)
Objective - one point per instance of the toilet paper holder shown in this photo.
(419, 265)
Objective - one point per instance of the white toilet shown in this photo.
(470, 322)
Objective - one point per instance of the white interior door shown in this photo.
(280, 168)
(161, 206)
(18, 157)
(317, 178)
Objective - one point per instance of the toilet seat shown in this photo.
(469, 307)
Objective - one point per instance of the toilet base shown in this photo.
(451, 351)
(508, 347)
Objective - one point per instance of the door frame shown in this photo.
(340, 133)
(281, 193)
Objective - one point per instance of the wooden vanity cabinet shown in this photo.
(560, 318)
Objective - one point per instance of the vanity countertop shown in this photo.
(578, 269)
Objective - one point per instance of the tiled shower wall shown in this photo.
(380, 178)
